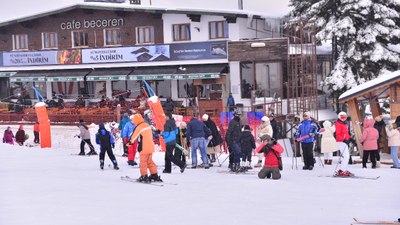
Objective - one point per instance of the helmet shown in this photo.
(342, 116)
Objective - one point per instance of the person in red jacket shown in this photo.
(342, 140)
(272, 151)
(36, 131)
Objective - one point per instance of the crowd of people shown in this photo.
(138, 134)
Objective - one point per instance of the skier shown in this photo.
(230, 103)
(342, 140)
(274, 125)
(379, 126)
(264, 128)
(247, 144)
(181, 140)
(328, 142)
(126, 134)
(121, 128)
(20, 136)
(305, 134)
(85, 138)
(36, 131)
(8, 136)
(144, 135)
(106, 142)
(233, 135)
(369, 138)
(272, 151)
(195, 134)
(213, 146)
(169, 134)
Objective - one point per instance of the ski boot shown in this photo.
(155, 178)
(115, 165)
(183, 168)
(258, 164)
(249, 166)
(102, 165)
(81, 153)
(131, 162)
(144, 179)
(92, 152)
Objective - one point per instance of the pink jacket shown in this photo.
(8, 137)
(369, 136)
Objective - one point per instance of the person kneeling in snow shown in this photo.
(272, 150)
(106, 142)
(144, 135)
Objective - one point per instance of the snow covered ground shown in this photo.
(49, 187)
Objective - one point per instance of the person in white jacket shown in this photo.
(328, 141)
(393, 142)
(264, 128)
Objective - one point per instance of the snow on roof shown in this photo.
(127, 7)
(386, 78)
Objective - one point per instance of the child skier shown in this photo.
(272, 151)
(247, 144)
(106, 142)
(20, 136)
(36, 131)
(8, 137)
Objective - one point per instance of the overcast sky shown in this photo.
(12, 9)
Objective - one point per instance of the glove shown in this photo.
(209, 138)
(113, 145)
(157, 131)
(125, 140)
(311, 134)
(347, 141)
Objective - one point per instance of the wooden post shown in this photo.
(118, 113)
(355, 118)
(376, 111)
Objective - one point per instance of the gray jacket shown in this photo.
(85, 134)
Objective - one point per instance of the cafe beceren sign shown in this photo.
(76, 24)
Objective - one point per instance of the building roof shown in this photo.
(135, 8)
(376, 88)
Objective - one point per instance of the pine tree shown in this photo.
(362, 34)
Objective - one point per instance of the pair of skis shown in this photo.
(158, 184)
(353, 177)
(357, 221)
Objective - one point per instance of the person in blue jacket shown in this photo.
(121, 128)
(169, 134)
(126, 136)
(305, 134)
(106, 142)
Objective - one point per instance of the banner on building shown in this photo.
(199, 50)
(29, 58)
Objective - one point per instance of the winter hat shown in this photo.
(101, 126)
(265, 137)
(21, 127)
(183, 125)
(342, 116)
(147, 111)
(168, 114)
(307, 115)
(205, 117)
(246, 127)
(137, 119)
(265, 119)
(126, 115)
(81, 121)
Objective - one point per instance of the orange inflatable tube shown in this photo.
(158, 116)
(44, 125)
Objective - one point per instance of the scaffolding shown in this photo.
(302, 92)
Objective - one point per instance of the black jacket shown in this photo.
(247, 141)
(234, 132)
(216, 137)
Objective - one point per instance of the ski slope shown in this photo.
(51, 186)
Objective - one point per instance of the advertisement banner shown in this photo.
(29, 58)
(126, 54)
(199, 50)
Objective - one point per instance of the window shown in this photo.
(80, 39)
(49, 40)
(219, 29)
(186, 89)
(145, 35)
(161, 87)
(20, 41)
(264, 78)
(112, 37)
(181, 32)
